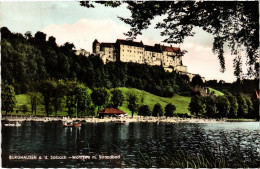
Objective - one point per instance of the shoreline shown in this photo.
(114, 119)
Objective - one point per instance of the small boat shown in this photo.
(72, 124)
(17, 124)
(120, 122)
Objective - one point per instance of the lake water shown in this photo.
(95, 144)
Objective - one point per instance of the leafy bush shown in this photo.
(24, 108)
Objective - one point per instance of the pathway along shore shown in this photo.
(113, 119)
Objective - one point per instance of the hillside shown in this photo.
(181, 102)
(216, 92)
(44, 59)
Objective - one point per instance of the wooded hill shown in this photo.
(27, 59)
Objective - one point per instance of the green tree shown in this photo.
(233, 105)
(47, 88)
(59, 93)
(250, 106)
(81, 99)
(90, 107)
(52, 42)
(196, 80)
(255, 100)
(242, 106)
(169, 110)
(197, 106)
(157, 110)
(24, 108)
(7, 97)
(70, 96)
(117, 98)
(223, 106)
(100, 96)
(211, 107)
(40, 38)
(144, 111)
(132, 103)
(64, 66)
(35, 99)
(256, 110)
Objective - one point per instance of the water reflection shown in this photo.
(108, 139)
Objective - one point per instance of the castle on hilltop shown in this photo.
(131, 51)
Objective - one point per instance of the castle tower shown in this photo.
(96, 47)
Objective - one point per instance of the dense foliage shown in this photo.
(7, 97)
(233, 105)
(245, 86)
(196, 80)
(70, 96)
(227, 106)
(211, 106)
(157, 110)
(132, 101)
(27, 59)
(117, 98)
(144, 111)
(223, 106)
(169, 110)
(100, 96)
(197, 106)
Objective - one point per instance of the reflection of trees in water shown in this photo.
(155, 140)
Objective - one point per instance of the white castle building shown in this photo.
(131, 51)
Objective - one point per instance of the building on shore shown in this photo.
(131, 51)
(111, 112)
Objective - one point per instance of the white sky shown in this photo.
(69, 22)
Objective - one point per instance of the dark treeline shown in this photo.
(245, 86)
(27, 59)
(228, 106)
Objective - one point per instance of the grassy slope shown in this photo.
(22, 99)
(181, 102)
(218, 93)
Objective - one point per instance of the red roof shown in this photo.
(257, 96)
(171, 49)
(111, 111)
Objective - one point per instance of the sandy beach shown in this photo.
(113, 119)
